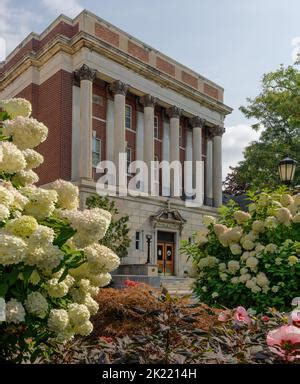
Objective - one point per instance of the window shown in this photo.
(139, 240)
(128, 117)
(156, 128)
(128, 158)
(96, 151)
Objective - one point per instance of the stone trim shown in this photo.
(148, 101)
(119, 88)
(85, 73)
(197, 122)
(216, 131)
(174, 112)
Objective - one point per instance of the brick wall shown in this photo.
(52, 105)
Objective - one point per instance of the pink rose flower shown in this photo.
(285, 342)
(241, 315)
(130, 283)
(294, 318)
(265, 318)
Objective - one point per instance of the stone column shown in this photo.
(174, 115)
(86, 76)
(119, 89)
(217, 133)
(148, 102)
(209, 169)
(197, 124)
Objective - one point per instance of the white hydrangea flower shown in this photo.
(222, 267)
(90, 224)
(26, 132)
(36, 304)
(78, 313)
(91, 304)
(278, 261)
(16, 107)
(258, 226)
(275, 288)
(46, 257)
(214, 295)
(219, 229)
(234, 234)
(68, 194)
(223, 276)
(244, 270)
(208, 220)
(286, 200)
(271, 248)
(292, 260)
(12, 159)
(22, 226)
(6, 197)
(85, 285)
(245, 255)
(84, 329)
(284, 216)
(297, 199)
(33, 158)
(262, 279)
(40, 237)
(241, 217)
(100, 280)
(209, 261)
(204, 289)
(41, 202)
(259, 248)
(235, 249)
(248, 245)
(244, 277)
(234, 280)
(58, 320)
(4, 212)
(14, 312)
(271, 222)
(12, 249)
(233, 266)
(100, 258)
(56, 289)
(252, 262)
(24, 178)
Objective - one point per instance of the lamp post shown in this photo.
(149, 240)
(286, 170)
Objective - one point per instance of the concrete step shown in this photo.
(179, 286)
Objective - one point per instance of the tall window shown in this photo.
(96, 151)
(139, 240)
(128, 159)
(156, 128)
(128, 117)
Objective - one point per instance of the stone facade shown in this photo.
(90, 82)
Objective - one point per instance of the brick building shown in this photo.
(100, 91)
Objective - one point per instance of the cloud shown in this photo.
(295, 42)
(69, 8)
(235, 140)
(15, 25)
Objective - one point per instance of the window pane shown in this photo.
(128, 116)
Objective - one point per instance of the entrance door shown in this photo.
(165, 258)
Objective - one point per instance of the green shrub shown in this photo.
(250, 259)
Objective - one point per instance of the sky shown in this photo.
(231, 42)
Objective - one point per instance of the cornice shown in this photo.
(84, 40)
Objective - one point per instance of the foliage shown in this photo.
(276, 110)
(177, 337)
(250, 259)
(50, 265)
(116, 236)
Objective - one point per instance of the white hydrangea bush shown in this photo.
(250, 258)
(51, 264)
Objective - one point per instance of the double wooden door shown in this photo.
(165, 258)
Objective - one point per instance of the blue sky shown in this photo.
(232, 42)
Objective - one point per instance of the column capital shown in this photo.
(174, 112)
(148, 101)
(216, 131)
(197, 122)
(119, 88)
(85, 73)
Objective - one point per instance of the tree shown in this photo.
(277, 111)
(116, 237)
